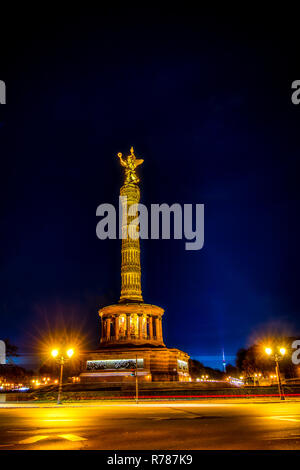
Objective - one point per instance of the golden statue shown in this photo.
(130, 164)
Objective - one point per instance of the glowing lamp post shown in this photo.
(277, 357)
(61, 358)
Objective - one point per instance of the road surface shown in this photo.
(169, 426)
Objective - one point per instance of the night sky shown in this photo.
(206, 101)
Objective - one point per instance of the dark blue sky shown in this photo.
(205, 100)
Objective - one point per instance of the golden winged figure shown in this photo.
(130, 164)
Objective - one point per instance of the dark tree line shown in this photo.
(197, 369)
(254, 359)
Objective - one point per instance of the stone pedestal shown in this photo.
(118, 365)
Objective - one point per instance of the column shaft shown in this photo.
(128, 326)
(156, 328)
(108, 320)
(140, 326)
(151, 327)
(160, 328)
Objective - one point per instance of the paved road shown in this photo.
(153, 426)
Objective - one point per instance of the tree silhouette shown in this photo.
(11, 350)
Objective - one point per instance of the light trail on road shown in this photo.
(152, 426)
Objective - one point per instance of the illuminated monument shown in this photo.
(131, 330)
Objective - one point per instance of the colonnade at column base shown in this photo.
(131, 335)
(131, 323)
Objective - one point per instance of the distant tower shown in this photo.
(224, 362)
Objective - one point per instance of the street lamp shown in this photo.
(61, 358)
(277, 357)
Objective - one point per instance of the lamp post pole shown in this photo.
(60, 380)
(277, 357)
(280, 386)
(61, 359)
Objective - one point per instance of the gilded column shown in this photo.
(131, 318)
(160, 328)
(131, 265)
